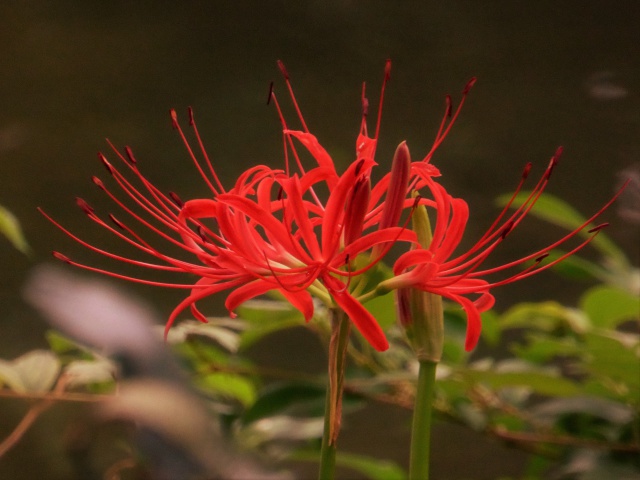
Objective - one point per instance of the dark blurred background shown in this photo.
(550, 73)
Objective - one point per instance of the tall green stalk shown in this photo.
(340, 327)
(421, 427)
(328, 449)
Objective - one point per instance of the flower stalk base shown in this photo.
(421, 427)
(340, 328)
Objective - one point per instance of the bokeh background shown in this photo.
(549, 73)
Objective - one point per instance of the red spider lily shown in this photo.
(435, 269)
(270, 231)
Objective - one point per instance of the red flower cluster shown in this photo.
(273, 231)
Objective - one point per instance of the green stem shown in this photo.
(327, 450)
(340, 327)
(421, 427)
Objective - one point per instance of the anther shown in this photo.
(202, 234)
(553, 162)
(176, 199)
(86, 208)
(469, 85)
(130, 156)
(270, 93)
(387, 70)
(97, 182)
(597, 228)
(558, 153)
(61, 257)
(174, 118)
(449, 107)
(191, 119)
(116, 222)
(526, 171)
(507, 229)
(541, 257)
(365, 106)
(283, 69)
(106, 163)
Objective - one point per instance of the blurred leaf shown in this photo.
(202, 354)
(613, 412)
(10, 377)
(575, 267)
(587, 464)
(491, 328)
(282, 398)
(10, 228)
(455, 328)
(383, 308)
(537, 467)
(471, 415)
(546, 316)
(281, 427)
(542, 383)
(610, 358)
(558, 212)
(59, 343)
(608, 306)
(508, 422)
(265, 317)
(542, 348)
(367, 467)
(370, 467)
(374, 276)
(221, 330)
(35, 371)
(86, 372)
(229, 385)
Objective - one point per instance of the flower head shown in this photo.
(270, 231)
(462, 277)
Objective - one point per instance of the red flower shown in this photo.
(462, 278)
(271, 231)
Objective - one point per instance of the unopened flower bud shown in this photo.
(356, 208)
(397, 191)
(420, 312)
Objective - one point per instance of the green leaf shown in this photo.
(10, 228)
(539, 382)
(455, 327)
(279, 428)
(371, 468)
(60, 344)
(491, 328)
(367, 467)
(10, 377)
(471, 415)
(221, 330)
(540, 349)
(287, 398)
(87, 372)
(35, 371)
(608, 306)
(575, 267)
(615, 362)
(558, 212)
(229, 385)
(265, 317)
(383, 308)
(545, 316)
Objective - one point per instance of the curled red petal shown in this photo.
(364, 321)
